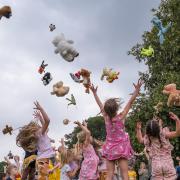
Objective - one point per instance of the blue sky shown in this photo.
(103, 32)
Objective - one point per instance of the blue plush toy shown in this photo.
(162, 30)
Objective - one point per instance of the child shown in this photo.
(156, 141)
(12, 172)
(131, 173)
(143, 172)
(89, 166)
(66, 172)
(117, 145)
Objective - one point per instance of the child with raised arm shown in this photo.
(117, 145)
(156, 141)
(89, 166)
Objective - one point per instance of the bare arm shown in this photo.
(73, 173)
(174, 134)
(38, 116)
(98, 101)
(139, 133)
(45, 117)
(132, 99)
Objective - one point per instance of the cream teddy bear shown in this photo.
(174, 95)
(59, 90)
(110, 75)
(65, 48)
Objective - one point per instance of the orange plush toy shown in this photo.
(86, 79)
(174, 95)
(5, 11)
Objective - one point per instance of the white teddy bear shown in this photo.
(65, 48)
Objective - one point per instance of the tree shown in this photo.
(163, 69)
(95, 124)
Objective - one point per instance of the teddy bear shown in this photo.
(47, 78)
(6, 12)
(59, 90)
(147, 52)
(7, 130)
(110, 75)
(85, 74)
(52, 27)
(66, 121)
(64, 48)
(76, 76)
(42, 67)
(158, 107)
(174, 95)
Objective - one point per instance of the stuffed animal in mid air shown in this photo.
(59, 90)
(147, 52)
(158, 107)
(72, 101)
(66, 121)
(110, 75)
(174, 95)
(7, 130)
(5, 11)
(85, 74)
(76, 77)
(64, 48)
(52, 27)
(47, 78)
(42, 67)
(162, 30)
(10, 155)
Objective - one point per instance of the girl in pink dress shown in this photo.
(89, 166)
(156, 141)
(117, 145)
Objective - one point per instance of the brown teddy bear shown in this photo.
(5, 11)
(85, 79)
(174, 95)
(59, 90)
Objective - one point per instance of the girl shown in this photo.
(117, 145)
(143, 172)
(12, 171)
(156, 141)
(89, 166)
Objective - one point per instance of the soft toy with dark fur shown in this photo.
(5, 11)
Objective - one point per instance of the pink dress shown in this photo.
(89, 167)
(117, 143)
(161, 160)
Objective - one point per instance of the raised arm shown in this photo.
(44, 116)
(176, 133)
(132, 99)
(139, 133)
(37, 115)
(86, 130)
(98, 101)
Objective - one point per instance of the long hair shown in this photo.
(111, 107)
(27, 137)
(153, 130)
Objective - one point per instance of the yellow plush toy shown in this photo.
(59, 90)
(110, 75)
(174, 95)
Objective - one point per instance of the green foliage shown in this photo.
(95, 125)
(163, 68)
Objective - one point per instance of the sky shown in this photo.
(102, 30)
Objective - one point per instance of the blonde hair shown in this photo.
(81, 136)
(65, 157)
(10, 167)
(27, 137)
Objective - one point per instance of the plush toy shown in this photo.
(10, 155)
(59, 90)
(174, 95)
(72, 101)
(42, 67)
(66, 121)
(65, 48)
(7, 130)
(47, 78)
(52, 27)
(158, 107)
(147, 52)
(110, 75)
(76, 77)
(5, 11)
(85, 74)
(162, 30)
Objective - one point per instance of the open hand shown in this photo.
(138, 85)
(93, 89)
(37, 106)
(37, 115)
(173, 116)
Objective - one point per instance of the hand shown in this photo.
(37, 106)
(37, 115)
(138, 125)
(62, 140)
(77, 122)
(50, 171)
(84, 123)
(138, 85)
(173, 116)
(93, 89)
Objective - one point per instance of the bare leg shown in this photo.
(123, 163)
(110, 169)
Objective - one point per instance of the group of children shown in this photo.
(89, 159)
